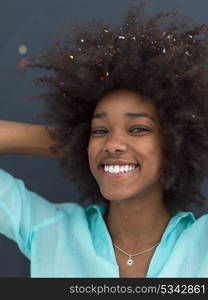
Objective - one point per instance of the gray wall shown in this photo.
(35, 23)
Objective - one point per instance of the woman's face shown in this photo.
(125, 132)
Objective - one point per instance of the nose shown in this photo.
(114, 144)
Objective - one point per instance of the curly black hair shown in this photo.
(163, 57)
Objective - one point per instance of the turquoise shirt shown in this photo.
(67, 240)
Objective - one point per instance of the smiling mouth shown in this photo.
(119, 174)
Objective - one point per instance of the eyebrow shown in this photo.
(129, 115)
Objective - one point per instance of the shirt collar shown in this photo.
(100, 235)
(101, 238)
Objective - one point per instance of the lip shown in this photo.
(119, 175)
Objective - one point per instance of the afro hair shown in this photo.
(163, 57)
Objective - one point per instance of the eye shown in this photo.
(140, 129)
(96, 131)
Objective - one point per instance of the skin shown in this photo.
(137, 216)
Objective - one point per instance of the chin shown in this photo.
(115, 196)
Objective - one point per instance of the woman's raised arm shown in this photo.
(23, 138)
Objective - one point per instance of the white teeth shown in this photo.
(118, 169)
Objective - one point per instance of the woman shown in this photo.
(129, 105)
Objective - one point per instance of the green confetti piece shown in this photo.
(205, 66)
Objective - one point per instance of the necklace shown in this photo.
(130, 261)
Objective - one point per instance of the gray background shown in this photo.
(36, 23)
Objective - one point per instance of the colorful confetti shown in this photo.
(22, 49)
(164, 50)
(99, 59)
(106, 30)
(61, 84)
(194, 116)
(121, 37)
(187, 53)
(82, 40)
(105, 77)
(71, 56)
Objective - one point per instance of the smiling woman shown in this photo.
(129, 110)
(127, 165)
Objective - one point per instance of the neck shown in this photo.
(135, 224)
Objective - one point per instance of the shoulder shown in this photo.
(62, 214)
(197, 229)
(201, 223)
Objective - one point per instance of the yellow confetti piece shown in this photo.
(107, 74)
(22, 49)
(71, 56)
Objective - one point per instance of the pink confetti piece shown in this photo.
(23, 63)
(99, 59)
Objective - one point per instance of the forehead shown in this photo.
(122, 101)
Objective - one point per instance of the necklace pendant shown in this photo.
(130, 261)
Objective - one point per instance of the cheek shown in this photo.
(91, 160)
(153, 157)
(156, 160)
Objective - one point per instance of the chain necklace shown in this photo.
(130, 261)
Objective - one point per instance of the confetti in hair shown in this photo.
(187, 53)
(61, 84)
(205, 66)
(105, 76)
(99, 59)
